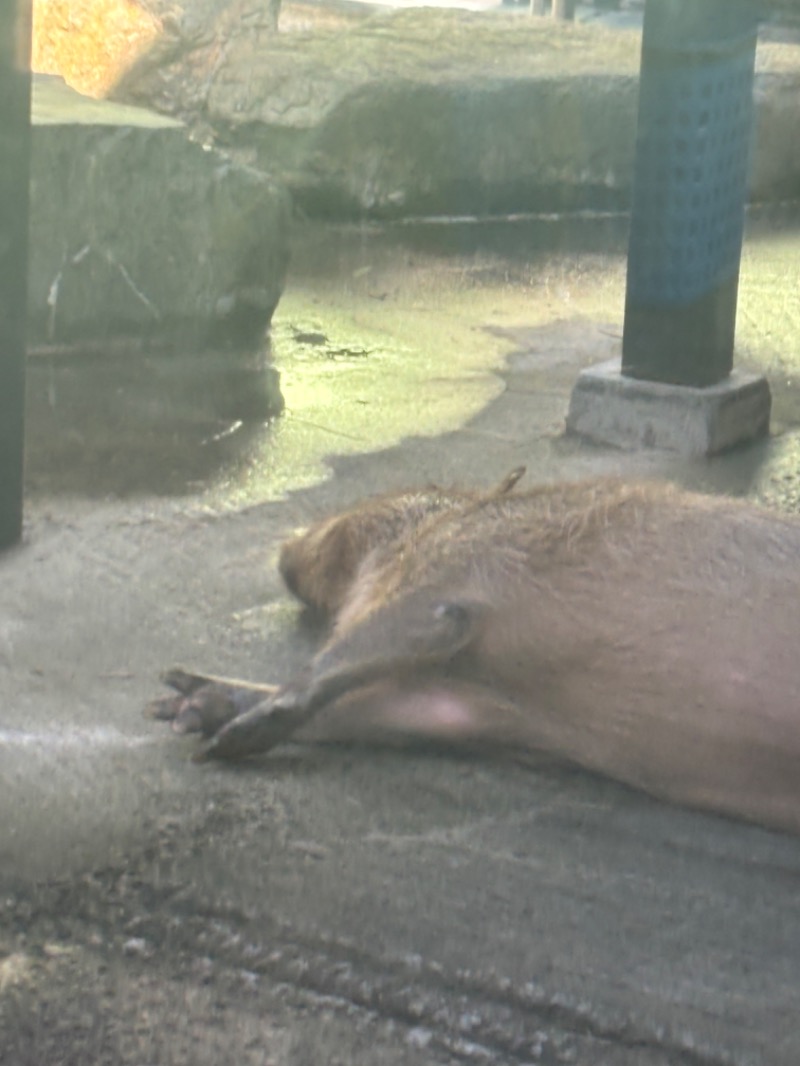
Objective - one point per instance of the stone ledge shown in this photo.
(140, 235)
(608, 408)
(429, 111)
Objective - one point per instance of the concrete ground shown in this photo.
(336, 905)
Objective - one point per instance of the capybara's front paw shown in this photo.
(200, 705)
(204, 711)
(204, 704)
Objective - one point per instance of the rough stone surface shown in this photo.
(428, 111)
(136, 232)
(92, 43)
(421, 111)
(195, 38)
(88, 42)
(608, 408)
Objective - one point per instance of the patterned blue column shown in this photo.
(15, 90)
(690, 185)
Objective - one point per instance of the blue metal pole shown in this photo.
(690, 186)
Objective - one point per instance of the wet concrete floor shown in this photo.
(339, 905)
(382, 333)
(375, 331)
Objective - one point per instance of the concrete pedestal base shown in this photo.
(611, 409)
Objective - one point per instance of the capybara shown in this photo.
(639, 631)
(320, 567)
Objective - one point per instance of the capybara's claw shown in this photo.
(178, 709)
(205, 710)
(163, 708)
(182, 680)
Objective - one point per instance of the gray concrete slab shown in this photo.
(344, 905)
(607, 407)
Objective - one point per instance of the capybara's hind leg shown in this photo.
(454, 714)
(415, 634)
(204, 703)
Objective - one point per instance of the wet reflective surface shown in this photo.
(383, 333)
(379, 335)
(130, 423)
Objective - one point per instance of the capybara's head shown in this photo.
(318, 566)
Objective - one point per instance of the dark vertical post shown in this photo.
(564, 9)
(15, 138)
(690, 185)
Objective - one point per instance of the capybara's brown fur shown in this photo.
(639, 631)
(321, 565)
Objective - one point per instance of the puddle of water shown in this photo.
(379, 335)
(136, 423)
(383, 332)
